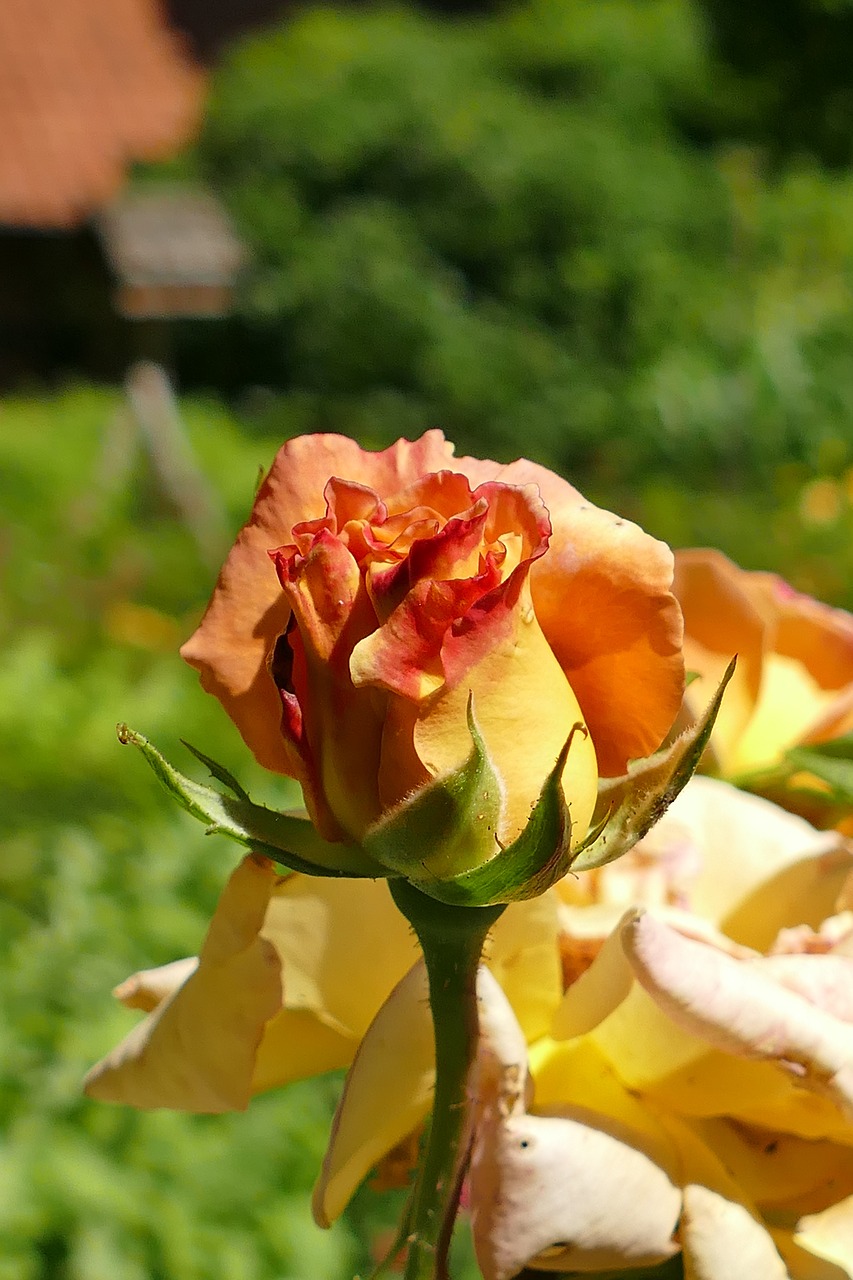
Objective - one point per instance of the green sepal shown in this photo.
(446, 825)
(526, 868)
(631, 805)
(285, 837)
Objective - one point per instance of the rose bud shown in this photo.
(434, 646)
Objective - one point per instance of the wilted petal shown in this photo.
(196, 1051)
(569, 1192)
(722, 1239)
(740, 1010)
(387, 1094)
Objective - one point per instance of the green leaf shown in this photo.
(447, 826)
(284, 837)
(831, 762)
(634, 803)
(530, 865)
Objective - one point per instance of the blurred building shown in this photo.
(87, 89)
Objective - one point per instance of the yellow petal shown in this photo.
(525, 708)
(343, 947)
(388, 1093)
(523, 954)
(790, 702)
(148, 988)
(196, 1051)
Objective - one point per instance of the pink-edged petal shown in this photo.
(590, 1181)
(196, 1051)
(566, 1193)
(387, 1094)
(722, 1239)
(735, 1007)
(746, 865)
(248, 612)
(500, 1079)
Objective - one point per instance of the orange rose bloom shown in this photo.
(370, 594)
(794, 679)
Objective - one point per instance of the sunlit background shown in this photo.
(615, 236)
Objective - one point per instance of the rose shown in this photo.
(694, 1092)
(658, 1094)
(794, 681)
(293, 974)
(404, 583)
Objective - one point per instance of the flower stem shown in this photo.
(452, 941)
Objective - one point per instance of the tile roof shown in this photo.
(86, 87)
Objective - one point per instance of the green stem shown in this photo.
(452, 941)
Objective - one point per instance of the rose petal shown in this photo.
(802, 1263)
(566, 1192)
(343, 946)
(720, 620)
(739, 1009)
(196, 1051)
(523, 750)
(248, 611)
(148, 988)
(522, 953)
(387, 1094)
(829, 1235)
(603, 598)
(721, 1238)
(755, 868)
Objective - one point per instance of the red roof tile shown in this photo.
(86, 87)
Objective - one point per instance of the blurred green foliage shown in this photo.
(101, 875)
(596, 232)
(570, 230)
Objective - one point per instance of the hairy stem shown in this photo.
(452, 940)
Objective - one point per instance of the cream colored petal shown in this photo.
(596, 993)
(387, 1094)
(801, 1263)
(737, 844)
(196, 1051)
(500, 1078)
(721, 1239)
(829, 1235)
(343, 946)
(565, 1193)
(523, 954)
(738, 1009)
(148, 988)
